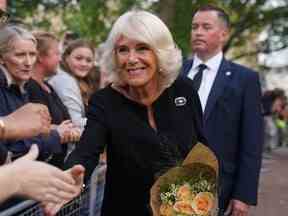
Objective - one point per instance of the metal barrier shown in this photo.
(97, 185)
(88, 203)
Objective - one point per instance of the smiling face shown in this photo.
(208, 34)
(20, 60)
(136, 61)
(80, 61)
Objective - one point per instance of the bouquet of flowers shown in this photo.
(189, 189)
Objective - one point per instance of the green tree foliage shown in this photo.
(35, 13)
(88, 19)
(250, 18)
(175, 14)
(93, 19)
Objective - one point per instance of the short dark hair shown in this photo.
(220, 12)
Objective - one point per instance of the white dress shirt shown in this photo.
(208, 77)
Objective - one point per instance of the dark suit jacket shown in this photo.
(233, 126)
(136, 153)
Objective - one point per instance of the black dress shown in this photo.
(136, 153)
(56, 108)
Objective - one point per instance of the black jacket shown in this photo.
(136, 153)
(57, 110)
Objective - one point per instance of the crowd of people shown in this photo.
(152, 108)
(275, 114)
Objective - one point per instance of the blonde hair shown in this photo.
(147, 28)
(44, 41)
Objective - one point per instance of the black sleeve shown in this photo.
(3, 154)
(93, 139)
(34, 92)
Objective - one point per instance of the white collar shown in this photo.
(213, 62)
(10, 79)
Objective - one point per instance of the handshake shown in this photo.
(42, 182)
(34, 179)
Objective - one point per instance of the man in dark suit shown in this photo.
(230, 98)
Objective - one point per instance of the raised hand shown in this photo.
(27, 121)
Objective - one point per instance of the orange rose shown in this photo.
(166, 210)
(203, 203)
(183, 207)
(184, 193)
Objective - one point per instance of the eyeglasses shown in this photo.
(3, 17)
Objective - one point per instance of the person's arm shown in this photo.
(93, 139)
(27, 121)
(87, 151)
(47, 145)
(36, 180)
(77, 173)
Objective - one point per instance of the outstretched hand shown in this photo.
(41, 181)
(77, 173)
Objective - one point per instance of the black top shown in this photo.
(136, 153)
(57, 110)
(3, 154)
(55, 106)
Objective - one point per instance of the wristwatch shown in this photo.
(2, 129)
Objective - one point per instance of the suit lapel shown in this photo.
(222, 78)
(186, 67)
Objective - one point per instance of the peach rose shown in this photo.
(184, 193)
(166, 210)
(183, 207)
(203, 203)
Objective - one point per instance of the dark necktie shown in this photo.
(198, 76)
